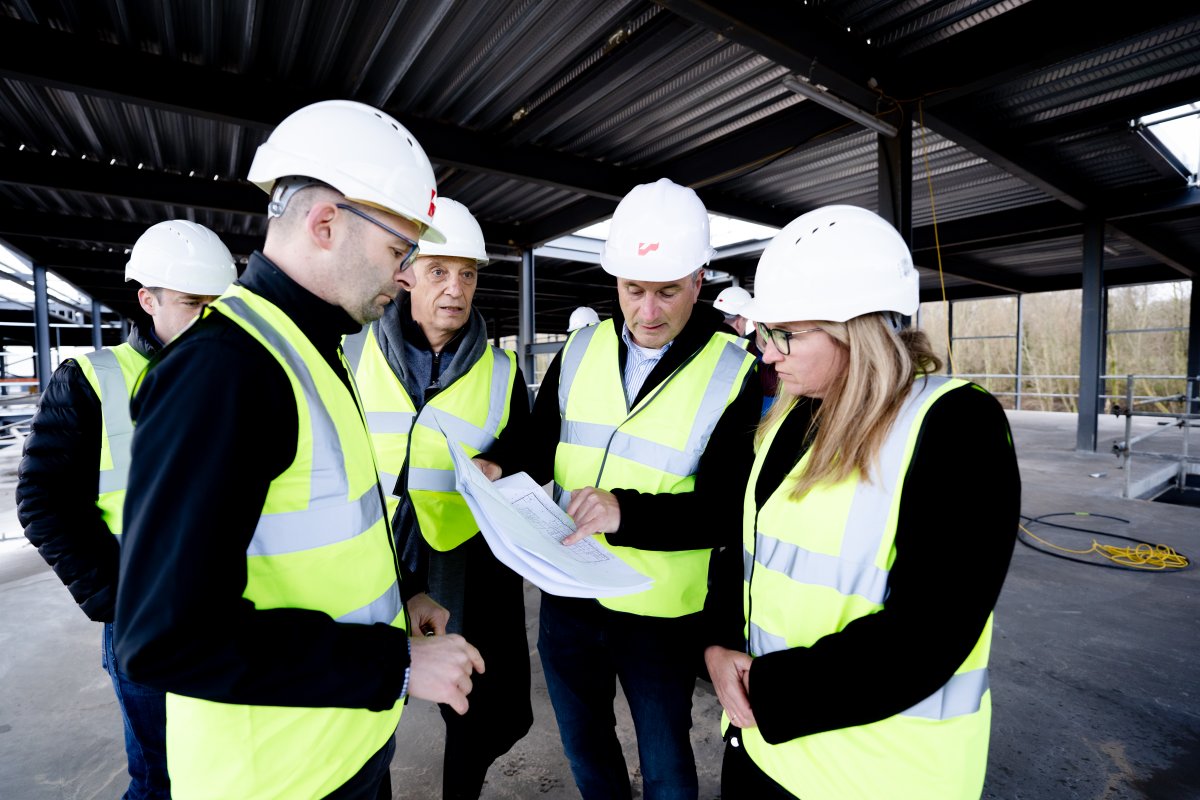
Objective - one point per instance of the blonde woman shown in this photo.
(851, 638)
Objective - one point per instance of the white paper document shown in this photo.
(525, 529)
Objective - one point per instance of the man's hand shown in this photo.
(594, 511)
(441, 669)
(490, 469)
(730, 673)
(427, 615)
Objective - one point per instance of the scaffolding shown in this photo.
(1181, 466)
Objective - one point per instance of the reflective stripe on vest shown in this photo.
(655, 447)
(830, 552)
(472, 411)
(322, 544)
(330, 517)
(112, 374)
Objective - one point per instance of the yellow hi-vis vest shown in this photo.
(813, 566)
(654, 447)
(322, 543)
(472, 411)
(112, 374)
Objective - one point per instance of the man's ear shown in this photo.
(147, 301)
(318, 224)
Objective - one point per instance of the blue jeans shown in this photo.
(585, 648)
(144, 711)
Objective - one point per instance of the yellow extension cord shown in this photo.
(1151, 557)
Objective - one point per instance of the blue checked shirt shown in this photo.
(639, 362)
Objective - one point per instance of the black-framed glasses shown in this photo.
(413, 247)
(779, 337)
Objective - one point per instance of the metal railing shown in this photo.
(1019, 380)
(1183, 421)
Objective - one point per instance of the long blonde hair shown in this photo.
(848, 428)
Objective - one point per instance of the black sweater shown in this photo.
(216, 423)
(654, 521)
(954, 539)
(58, 483)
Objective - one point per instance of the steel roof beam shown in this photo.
(19, 222)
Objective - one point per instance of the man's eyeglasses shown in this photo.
(779, 337)
(413, 249)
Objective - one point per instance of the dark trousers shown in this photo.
(144, 712)
(741, 777)
(487, 606)
(585, 648)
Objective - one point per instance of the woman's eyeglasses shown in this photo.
(408, 256)
(779, 337)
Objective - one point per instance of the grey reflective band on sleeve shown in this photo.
(384, 608)
(961, 695)
(118, 425)
(330, 516)
(431, 480)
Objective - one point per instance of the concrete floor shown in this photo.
(1094, 679)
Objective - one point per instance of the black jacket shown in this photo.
(954, 538)
(58, 482)
(655, 521)
(216, 423)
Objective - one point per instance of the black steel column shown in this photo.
(41, 320)
(895, 179)
(525, 329)
(1091, 335)
(950, 337)
(1193, 347)
(97, 332)
(1020, 347)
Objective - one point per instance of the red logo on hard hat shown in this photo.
(646, 247)
(432, 197)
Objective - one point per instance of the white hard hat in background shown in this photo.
(834, 263)
(730, 301)
(659, 232)
(358, 150)
(581, 318)
(183, 256)
(464, 237)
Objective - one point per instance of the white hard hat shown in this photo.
(183, 256)
(659, 232)
(730, 301)
(834, 263)
(358, 150)
(464, 237)
(581, 318)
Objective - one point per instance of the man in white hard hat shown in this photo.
(423, 368)
(729, 302)
(73, 473)
(635, 420)
(581, 318)
(259, 582)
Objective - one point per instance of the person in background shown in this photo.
(730, 302)
(581, 318)
(75, 466)
(259, 580)
(425, 370)
(638, 419)
(851, 663)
